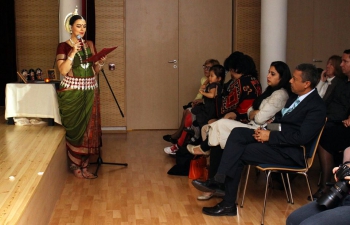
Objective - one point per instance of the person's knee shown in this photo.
(240, 134)
(290, 220)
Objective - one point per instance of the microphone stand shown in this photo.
(110, 88)
(99, 160)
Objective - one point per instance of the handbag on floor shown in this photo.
(197, 167)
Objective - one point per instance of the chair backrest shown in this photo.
(312, 148)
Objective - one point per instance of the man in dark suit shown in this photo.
(335, 83)
(335, 137)
(301, 121)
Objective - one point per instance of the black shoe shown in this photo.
(209, 186)
(219, 210)
(169, 139)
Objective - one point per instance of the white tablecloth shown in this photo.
(32, 100)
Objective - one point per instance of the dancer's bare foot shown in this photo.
(77, 173)
(76, 170)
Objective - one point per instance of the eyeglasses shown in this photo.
(206, 67)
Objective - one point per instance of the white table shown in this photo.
(32, 100)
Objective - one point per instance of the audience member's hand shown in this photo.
(346, 122)
(230, 115)
(335, 177)
(203, 86)
(261, 135)
(212, 121)
(334, 171)
(252, 114)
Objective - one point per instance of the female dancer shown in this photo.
(78, 97)
(260, 113)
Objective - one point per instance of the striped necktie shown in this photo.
(288, 110)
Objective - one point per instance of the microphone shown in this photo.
(80, 40)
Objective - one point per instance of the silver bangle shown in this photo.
(70, 58)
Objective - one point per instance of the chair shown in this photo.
(309, 155)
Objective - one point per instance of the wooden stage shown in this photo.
(32, 172)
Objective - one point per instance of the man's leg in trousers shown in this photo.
(231, 186)
(235, 146)
(257, 153)
(205, 145)
(215, 158)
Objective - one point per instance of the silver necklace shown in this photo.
(83, 65)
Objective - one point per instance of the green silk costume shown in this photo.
(79, 105)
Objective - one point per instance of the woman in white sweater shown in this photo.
(262, 111)
(219, 131)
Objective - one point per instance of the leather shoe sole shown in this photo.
(207, 186)
(219, 210)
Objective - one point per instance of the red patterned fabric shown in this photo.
(241, 95)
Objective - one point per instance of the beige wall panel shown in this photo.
(299, 32)
(152, 82)
(202, 36)
(195, 37)
(110, 32)
(36, 34)
(331, 29)
(246, 28)
(316, 30)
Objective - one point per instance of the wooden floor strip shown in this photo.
(143, 193)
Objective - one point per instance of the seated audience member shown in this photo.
(301, 120)
(314, 213)
(242, 89)
(331, 77)
(211, 95)
(186, 117)
(259, 114)
(335, 136)
(239, 92)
